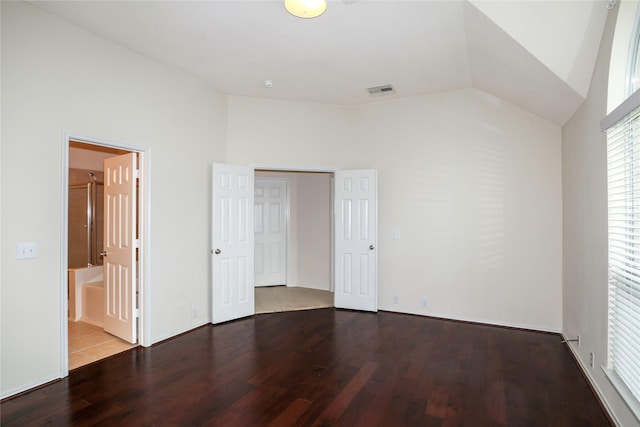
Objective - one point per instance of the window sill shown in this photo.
(632, 403)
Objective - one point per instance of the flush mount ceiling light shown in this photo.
(305, 8)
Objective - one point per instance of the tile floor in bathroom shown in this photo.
(89, 343)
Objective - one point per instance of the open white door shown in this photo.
(356, 238)
(120, 207)
(232, 243)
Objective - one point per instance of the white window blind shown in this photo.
(623, 159)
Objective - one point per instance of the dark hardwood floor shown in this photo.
(325, 367)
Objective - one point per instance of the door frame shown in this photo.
(144, 335)
(298, 169)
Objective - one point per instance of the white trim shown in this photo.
(627, 397)
(309, 286)
(64, 260)
(417, 312)
(632, 55)
(287, 226)
(592, 381)
(629, 104)
(30, 387)
(103, 142)
(144, 206)
(293, 169)
(144, 332)
(332, 240)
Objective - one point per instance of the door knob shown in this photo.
(103, 253)
(371, 247)
(218, 251)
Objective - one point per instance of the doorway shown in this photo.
(292, 211)
(88, 307)
(354, 240)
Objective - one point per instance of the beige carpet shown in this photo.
(273, 299)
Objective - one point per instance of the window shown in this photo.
(623, 176)
(633, 59)
(623, 164)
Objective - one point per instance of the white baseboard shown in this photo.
(28, 387)
(592, 382)
(317, 287)
(397, 309)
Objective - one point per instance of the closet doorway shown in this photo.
(353, 245)
(292, 238)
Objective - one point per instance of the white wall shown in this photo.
(584, 164)
(568, 44)
(471, 184)
(57, 77)
(314, 230)
(280, 134)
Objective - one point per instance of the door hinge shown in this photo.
(136, 174)
(136, 243)
(137, 313)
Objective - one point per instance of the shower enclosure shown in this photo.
(86, 208)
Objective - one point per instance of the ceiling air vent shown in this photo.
(380, 90)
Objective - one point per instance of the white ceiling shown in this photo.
(538, 55)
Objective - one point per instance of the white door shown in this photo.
(232, 242)
(120, 207)
(270, 209)
(356, 235)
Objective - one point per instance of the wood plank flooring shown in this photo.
(325, 367)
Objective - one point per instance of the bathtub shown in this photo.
(86, 295)
(93, 303)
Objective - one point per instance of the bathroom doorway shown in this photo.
(88, 308)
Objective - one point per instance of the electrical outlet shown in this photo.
(424, 303)
(194, 313)
(396, 300)
(591, 359)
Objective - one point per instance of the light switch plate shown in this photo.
(27, 250)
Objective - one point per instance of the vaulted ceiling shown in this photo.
(538, 55)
